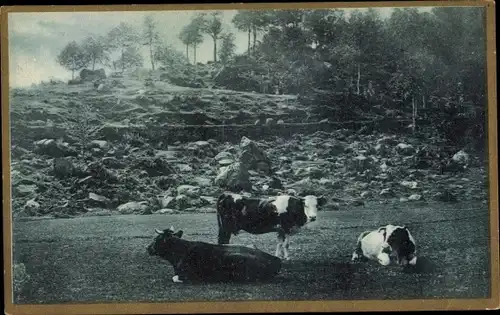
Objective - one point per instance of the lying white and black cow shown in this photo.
(282, 214)
(200, 261)
(387, 244)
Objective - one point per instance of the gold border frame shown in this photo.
(257, 306)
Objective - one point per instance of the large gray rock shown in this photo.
(461, 158)
(92, 75)
(62, 167)
(234, 177)
(253, 157)
(133, 207)
(188, 190)
(405, 149)
(360, 163)
(54, 148)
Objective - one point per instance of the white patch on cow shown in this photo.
(236, 197)
(384, 259)
(175, 279)
(311, 206)
(413, 261)
(281, 203)
(286, 244)
(374, 245)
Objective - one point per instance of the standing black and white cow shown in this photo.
(200, 261)
(282, 214)
(387, 244)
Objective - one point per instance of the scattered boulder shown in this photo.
(234, 177)
(405, 149)
(87, 75)
(360, 163)
(445, 195)
(415, 197)
(188, 190)
(166, 201)
(461, 158)
(182, 202)
(366, 194)
(184, 168)
(200, 148)
(62, 167)
(386, 192)
(54, 148)
(101, 144)
(98, 200)
(311, 171)
(254, 157)
(132, 207)
(32, 206)
(24, 190)
(154, 166)
(98, 171)
(409, 184)
(202, 181)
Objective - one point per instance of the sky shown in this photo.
(35, 39)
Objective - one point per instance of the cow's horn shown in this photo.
(158, 231)
(172, 228)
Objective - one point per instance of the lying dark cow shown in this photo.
(282, 214)
(386, 245)
(199, 261)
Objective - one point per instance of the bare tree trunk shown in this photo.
(254, 39)
(72, 74)
(187, 52)
(151, 55)
(359, 78)
(215, 48)
(194, 47)
(249, 33)
(93, 64)
(414, 115)
(423, 101)
(123, 62)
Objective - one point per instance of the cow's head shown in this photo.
(162, 242)
(311, 206)
(400, 244)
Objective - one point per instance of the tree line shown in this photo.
(434, 59)
(124, 41)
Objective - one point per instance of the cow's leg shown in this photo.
(224, 236)
(176, 279)
(281, 244)
(286, 245)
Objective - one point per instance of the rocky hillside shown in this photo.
(136, 146)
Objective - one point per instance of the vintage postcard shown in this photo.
(236, 158)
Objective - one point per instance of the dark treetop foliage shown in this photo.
(428, 60)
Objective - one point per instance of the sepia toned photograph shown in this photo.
(249, 154)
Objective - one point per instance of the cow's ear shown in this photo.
(321, 201)
(179, 233)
